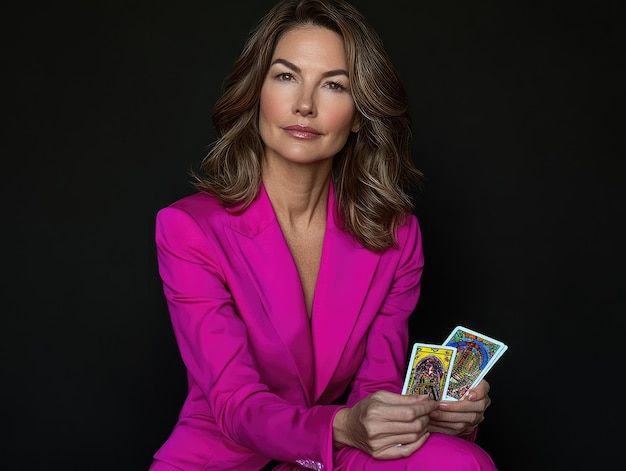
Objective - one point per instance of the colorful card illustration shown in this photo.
(428, 370)
(476, 354)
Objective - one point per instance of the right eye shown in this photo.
(285, 76)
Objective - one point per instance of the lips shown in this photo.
(302, 132)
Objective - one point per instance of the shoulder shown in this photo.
(197, 203)
(409, 231)
(199, 209)
(409, 248)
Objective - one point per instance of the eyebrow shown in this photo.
(295, 68)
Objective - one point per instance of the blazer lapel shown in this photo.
(345, 274)
(264, 253)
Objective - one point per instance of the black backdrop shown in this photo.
(107, 105)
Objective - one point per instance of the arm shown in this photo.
(388, 344)
(213, 342)
(387, 341)
(378, 418)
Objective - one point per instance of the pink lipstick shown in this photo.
(302, 132)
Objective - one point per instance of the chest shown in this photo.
(306, 250)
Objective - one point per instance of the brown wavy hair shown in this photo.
(373, 174)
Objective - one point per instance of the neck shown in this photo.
(299, 196)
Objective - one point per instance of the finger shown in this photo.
(462, 406)
(388, 433)
(407, 449)
(401, 450)
(399, 399)
(480, 391)
(432, 427)
(405, 412)
(457, 421)
(403, 439)
(451, 428)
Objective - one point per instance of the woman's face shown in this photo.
(306, 108)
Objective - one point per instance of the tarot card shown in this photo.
(429, 370)
(476, 354)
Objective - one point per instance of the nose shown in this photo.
(304, 103)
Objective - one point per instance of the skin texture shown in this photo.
(378, 423)
(306, 113)
(306, 85)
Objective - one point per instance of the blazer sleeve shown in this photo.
(387, 341)
(213, 344)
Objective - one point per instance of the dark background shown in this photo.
(106, 106)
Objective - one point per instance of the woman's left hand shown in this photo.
(461, 417)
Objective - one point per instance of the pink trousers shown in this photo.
(440, 453)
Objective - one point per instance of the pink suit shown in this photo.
(264, 381)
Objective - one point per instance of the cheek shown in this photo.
(265, 105)
(271, 104)
(339, 112)
(342, 118)
(266, 113)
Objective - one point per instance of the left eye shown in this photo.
(335, 86)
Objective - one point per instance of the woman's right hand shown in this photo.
(385, 425)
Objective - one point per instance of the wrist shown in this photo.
(340, 428)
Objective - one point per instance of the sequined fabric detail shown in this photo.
(311, 464)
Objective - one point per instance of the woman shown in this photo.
(291, 274)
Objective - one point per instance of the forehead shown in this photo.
(311, 42)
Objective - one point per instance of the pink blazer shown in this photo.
(264, 381)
